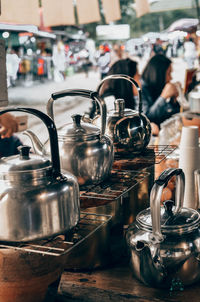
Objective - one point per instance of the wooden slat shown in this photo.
(117, 285)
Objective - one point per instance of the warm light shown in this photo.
(29, 52)
(5, 34)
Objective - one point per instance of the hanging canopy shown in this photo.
(184, 24)
(20, 11)
(88, 11)
(58, 12)
(111, 9)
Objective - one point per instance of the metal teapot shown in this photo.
(36, 200)
(129, 129)
(84, 149)
(164, 242)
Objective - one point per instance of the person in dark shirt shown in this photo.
(120, 88)
(8, 142)
(158, 92)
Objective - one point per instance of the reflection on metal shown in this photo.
(88, 224)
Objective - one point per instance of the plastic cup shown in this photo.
(189, 137)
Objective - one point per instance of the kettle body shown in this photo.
(85, 150)
(129, 129)
(36, 200)
(164, 242)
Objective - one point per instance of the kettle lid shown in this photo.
(185, 221)
(120, 110)
(23, 162)
(78, 130)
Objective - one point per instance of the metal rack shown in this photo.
(117, 185)
(152, 155)
(126, 174)
(88, 224)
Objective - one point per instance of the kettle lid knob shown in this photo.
(24, 152)
(119, 105)
(76, 119)
(168, 204)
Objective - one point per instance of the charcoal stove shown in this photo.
(27, 269)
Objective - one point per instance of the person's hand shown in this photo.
(8, 124)
(154, 129)
(170, 91)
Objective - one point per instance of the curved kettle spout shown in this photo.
(150, 270)
(38, 147)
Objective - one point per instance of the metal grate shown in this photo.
(63, 244)
(118, 184)
(152, 155)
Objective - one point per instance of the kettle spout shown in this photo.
(146, 267)
(38, 147)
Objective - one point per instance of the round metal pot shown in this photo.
(130, 130)
(164, 242)
(36, 200)
(85, 150)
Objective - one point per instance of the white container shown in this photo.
(189, 161)
(194, 101)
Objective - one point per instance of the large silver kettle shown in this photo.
(36, 200)
(129, 129)
(84, 149)
(164, 242)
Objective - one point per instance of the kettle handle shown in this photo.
(83, 93)
(123, 77)
(52, 134)
(155, 198)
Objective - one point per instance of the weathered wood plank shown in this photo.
(117, 284)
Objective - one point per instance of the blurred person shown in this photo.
(190, 53)
(118, 53)
(103, 60)
(159, 94)
(157, 47)
(12, 66)
(120, 88)
(8, 142)
(59, 61)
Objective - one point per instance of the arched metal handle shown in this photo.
(155, 198)
(52, 134)
(83, 93)
(123, 77)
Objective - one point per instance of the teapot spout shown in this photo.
(38, 147)
(146, 267)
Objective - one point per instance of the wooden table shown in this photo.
(116, 284)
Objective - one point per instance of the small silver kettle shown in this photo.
(84, 149)
(129, 129)
(164, 241)
(36, 200)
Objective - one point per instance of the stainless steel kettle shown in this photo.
(129, 129)
(36, 200)
(164, 241)
(84, 149)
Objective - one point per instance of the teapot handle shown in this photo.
(52, 135)
(155, 198)
(83, 93)
(123, 77)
